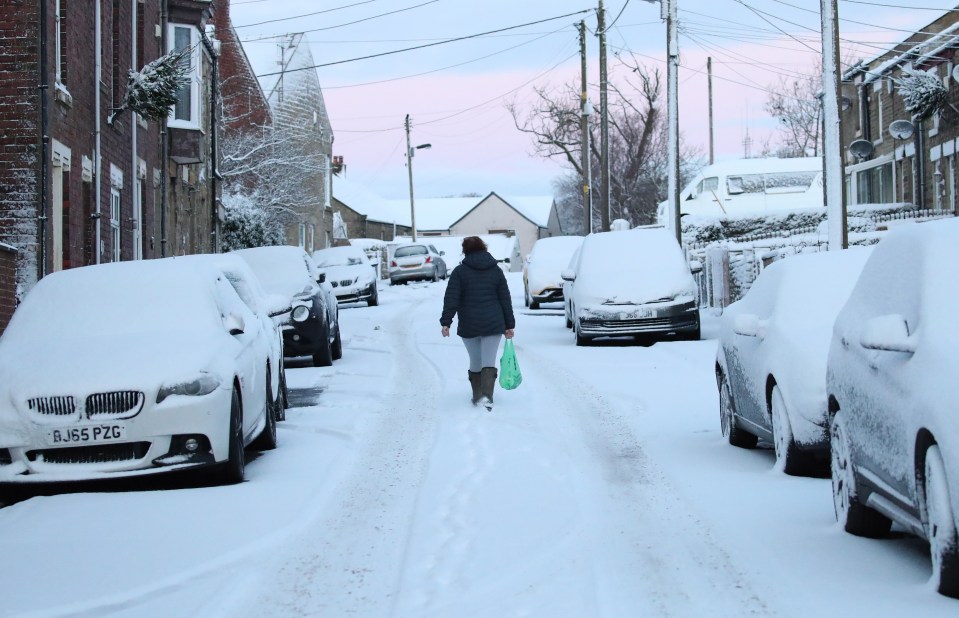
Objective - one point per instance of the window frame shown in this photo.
(115, 214)
(195, 78)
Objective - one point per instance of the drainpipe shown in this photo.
(919, 191)
(44, 88)
(164, 142)
(97, 162)
(134, 129)
(215, 173)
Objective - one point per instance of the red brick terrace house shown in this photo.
(99, 187)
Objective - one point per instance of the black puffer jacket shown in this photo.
(477, 292)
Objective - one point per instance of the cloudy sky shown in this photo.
(456, 92)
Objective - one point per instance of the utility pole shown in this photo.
(605, 206)
(709, 72)
(409, 170)
(672, 95)
(833, 172)
(585, 166)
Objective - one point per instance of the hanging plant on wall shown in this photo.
(923, 94)
(153, 90)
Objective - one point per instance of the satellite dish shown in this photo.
(901, 129)
(955, 72)
(861, 148)
(846, 102)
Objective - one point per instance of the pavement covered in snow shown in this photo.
(600, 487)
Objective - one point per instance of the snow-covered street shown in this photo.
(601, 487)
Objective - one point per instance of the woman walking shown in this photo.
(477, 291)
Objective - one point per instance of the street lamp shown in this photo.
(409, 168)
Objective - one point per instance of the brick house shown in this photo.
(366, 214)
(296, 100)
(893, 166)
(98, 189)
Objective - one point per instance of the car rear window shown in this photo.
(408, 251)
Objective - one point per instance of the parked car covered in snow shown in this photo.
(349, 272)
(134, 368)
(892, 388)
(416, 261)
(632, 283)
(311, 325)
(771, 357)
(542, 280)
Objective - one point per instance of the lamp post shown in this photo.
(409, 168)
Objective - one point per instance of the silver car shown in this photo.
(416, 262)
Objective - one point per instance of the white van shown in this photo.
(751, 186)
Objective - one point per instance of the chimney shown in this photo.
(338, 166)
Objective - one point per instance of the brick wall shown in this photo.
(8, 284)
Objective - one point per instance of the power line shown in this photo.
(896, 6)
(620, 14)
(350, 23)
(270, 21)
(406, 49)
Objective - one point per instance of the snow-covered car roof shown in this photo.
(548, 258)
(340, 256)
(282, 270)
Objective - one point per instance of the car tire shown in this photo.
(324, 356)
(436, 275)
(940, 522)
(533, 304)
(266, 441)
(789, 458)
(727, 418)
(526, 298)
(233, 471)
(284, 397)
(855, 517)
(374, 298)
(336, 349)
(581, 341)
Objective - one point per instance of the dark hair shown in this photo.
(472, 244)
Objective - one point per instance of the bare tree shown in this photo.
(637, 152)
(794, 103)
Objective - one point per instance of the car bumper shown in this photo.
(549, 295)
(411, 274)
(152, 443)
(303, 338)
(673, 319)
(355, 294)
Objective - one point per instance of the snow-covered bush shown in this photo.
(246, 225)
(153, 90)
(923, 94)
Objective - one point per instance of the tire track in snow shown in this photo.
(349, 561)
(663, 544)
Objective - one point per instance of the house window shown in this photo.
(60, 16)
(303, 235)
(312, 232)
(115, 223)
(186, 111)
(874, 185)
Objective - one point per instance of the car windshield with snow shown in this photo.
(542, 280)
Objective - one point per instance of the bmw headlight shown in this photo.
(301, 313)
(203, 385)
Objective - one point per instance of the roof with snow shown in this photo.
(366, 202)
(437, 213)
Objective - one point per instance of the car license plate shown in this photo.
(88, 434)
(644, 313)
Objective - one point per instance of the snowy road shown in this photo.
(601, 487)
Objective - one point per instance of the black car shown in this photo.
(311, 327)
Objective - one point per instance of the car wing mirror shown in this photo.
(889, 333)
(568, 275)
(749, 325)
(321, 278)
(442, 252)
(234, 323)
(695, 266)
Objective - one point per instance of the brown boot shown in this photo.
(475, 383)
(487, 385)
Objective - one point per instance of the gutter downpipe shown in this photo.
(98, 163)
(44, 88)
(214, 166)
(134, 129)
(164, 142)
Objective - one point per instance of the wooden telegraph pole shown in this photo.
(585, 158)
(604, 121)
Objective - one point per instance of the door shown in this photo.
(56, 216)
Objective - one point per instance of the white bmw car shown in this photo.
(134, 368)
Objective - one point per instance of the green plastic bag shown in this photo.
(509, 374)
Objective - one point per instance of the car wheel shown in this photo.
(789, 458)
(940, 522)
(233, 469)
(580, 339)
(266, 441)
(855, 517)
(533, 304)
(284, 397)
(324, 356)
(336, 349)
(727, 418)
(526, 298)
(436, 275)
(374, 298)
